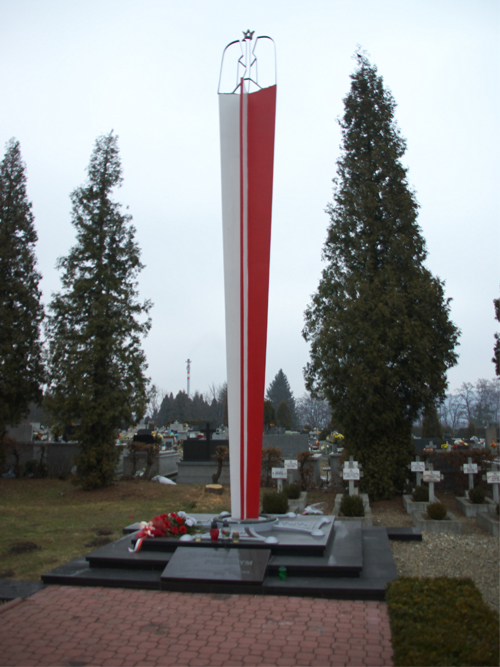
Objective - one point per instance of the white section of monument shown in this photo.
(229, 115)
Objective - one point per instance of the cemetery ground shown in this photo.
(46, 523)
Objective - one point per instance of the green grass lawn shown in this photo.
(59, 521)
(62, 522)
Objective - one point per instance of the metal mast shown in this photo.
(188, 362)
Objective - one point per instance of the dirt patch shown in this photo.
(103, 531)
(7, 574)
(393, 505)
(23, 547)
(99, 542)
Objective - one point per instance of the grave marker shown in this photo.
(351, 473)
(493, 477)
(418, 466)
(280, 474)
(290, 466)
(431, 476)
(470, 469)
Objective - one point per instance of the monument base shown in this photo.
(347, 562)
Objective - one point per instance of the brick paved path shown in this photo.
(72, 626)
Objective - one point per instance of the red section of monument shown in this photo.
(260, 123)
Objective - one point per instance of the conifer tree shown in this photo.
(431, 426)
(21, 313)
(96, 364)
(379, 328)
(283, 416)
(279, 390)
(269, 415)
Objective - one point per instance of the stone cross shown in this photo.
(493, 478)
(418, 466)
(431, 476)
(208, 435)
(290, 466)
(352, 472)
(280, 474)
(470, 469)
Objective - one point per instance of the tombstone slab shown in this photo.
(220, 565)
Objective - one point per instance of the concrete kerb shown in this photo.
(366, 520)
(489, 522)
(449, 525)
(472, 509)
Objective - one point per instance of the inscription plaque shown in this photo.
(217, 564)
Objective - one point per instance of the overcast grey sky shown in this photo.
(71, 71)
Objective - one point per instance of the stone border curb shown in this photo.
(489, 523)
(449, 525)
(471, 509)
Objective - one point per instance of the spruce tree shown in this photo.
(279, 390)
(269, 415)
(283, 416)
(96, 364)
(21, 313)
(378, 326)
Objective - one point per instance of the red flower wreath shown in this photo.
(164, 525)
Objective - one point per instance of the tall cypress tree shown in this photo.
(379, 328)
(96, 364)
(21, 313)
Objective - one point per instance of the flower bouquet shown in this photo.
(175, 524)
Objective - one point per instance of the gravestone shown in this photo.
(198, 449)
(431, 476)
(280, 474)
(145, 436)
(352, 473)
(470, 469)
(493, 478)
(418, 467)
(291, 466)
(218, 565)
(198, 464)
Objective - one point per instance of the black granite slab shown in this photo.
(406, 534)
(378, 571)
(117, 555)
(342, 558)
(244, 566)
(79, 573)
(10, 589)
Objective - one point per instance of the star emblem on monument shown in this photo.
(248, 34)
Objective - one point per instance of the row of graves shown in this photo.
(429, 514)
(293, 554)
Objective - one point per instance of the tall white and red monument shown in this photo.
(247, 120)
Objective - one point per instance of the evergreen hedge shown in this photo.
(441, 621)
